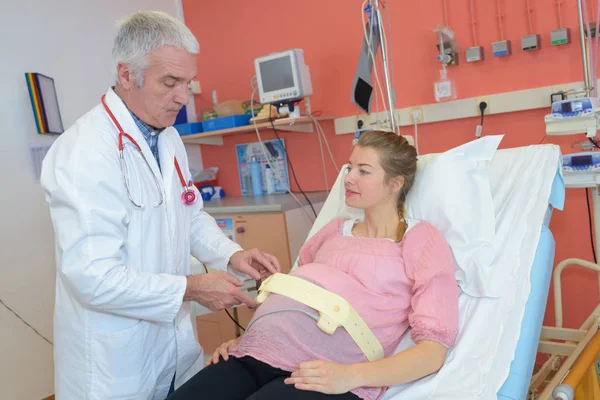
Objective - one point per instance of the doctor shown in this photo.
(126, 219)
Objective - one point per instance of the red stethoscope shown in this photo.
(188, 196)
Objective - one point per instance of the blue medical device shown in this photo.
(581, 162)
(574, 108)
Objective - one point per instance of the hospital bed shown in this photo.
(498, 339)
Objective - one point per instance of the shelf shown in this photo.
(302, 124)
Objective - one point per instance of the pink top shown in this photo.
(392, 286)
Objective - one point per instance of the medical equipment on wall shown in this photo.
(189, 195)
(444, 89)
(446, 45)
(575, 116)
(283, 79)
(474, 53)
(532, 41)
(363, 89)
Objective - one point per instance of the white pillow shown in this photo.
(452, 192)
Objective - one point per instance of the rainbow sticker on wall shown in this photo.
(44, 102)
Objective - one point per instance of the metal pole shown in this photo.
(386, 72)
(584, 59)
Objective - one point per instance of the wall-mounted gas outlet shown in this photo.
(478, 101)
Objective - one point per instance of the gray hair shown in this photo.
(145, 31)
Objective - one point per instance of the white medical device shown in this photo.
(283, 78)
(573, 108)
(574, 116)
(581, 162)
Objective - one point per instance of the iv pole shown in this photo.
(384, 55)
(584, 58)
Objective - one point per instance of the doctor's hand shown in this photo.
(255, 263)
(216, 291)
(325, 377)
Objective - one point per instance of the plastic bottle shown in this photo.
(270, 179)
(444, 88)
(256, 177)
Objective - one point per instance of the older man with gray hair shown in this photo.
(126, 218)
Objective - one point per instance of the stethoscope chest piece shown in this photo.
(189, 197)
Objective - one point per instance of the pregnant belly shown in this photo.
(285, 332)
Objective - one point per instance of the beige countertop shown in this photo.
(261, 204)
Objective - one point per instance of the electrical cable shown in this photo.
(289, 160)
(25, 322)
(444, 13)
(273, 163)
(587, 199)
(226, 311)
(234, 321)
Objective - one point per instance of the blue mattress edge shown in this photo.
(516, 386)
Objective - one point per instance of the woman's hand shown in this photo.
(325, 377)
(223, 351)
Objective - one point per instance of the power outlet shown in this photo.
(416, 115)
(195, 87)
(487, 109)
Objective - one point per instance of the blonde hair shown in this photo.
(397, 158)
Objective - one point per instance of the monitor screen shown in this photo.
(581, 160)
(276, 74)
(566, 107)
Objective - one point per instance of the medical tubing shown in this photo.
(559, 12)
(274, 166)
(316, 318)
(323, 159)
(499, 16)
(320, 129)
(472, 14)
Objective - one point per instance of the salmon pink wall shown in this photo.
(234, 32)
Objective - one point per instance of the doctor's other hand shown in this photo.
(216, 291)
(255, 263)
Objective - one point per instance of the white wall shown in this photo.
(69, 40)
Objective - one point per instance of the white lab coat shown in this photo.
(121, 329)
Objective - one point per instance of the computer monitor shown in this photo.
(282, 77)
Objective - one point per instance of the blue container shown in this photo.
(231, 121)
(190, 128)
(256, 177)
